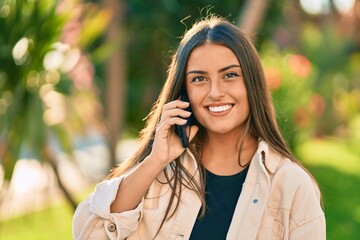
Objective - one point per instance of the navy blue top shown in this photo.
(222, 194)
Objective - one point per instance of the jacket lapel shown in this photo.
(254, 196)
(186, 216)
(190, 203)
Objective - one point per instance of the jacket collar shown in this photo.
(269, 157)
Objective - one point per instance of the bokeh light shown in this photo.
(323, 6)
(315, 6)
(20, 51)
(344, 6)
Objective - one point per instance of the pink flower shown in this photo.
(300, 65)
(273, 78)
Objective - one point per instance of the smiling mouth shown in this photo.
(218, 109)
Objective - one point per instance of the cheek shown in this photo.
(241, 98)
(196, 104)
(238, 92)
(195, 96)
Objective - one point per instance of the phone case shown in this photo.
(181, 129)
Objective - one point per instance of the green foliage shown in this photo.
(28, 30)
(338, 65)
(290, 77)
(38, 83)
(315, 82)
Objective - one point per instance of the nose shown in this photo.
(216, 90)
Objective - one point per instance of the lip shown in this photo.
(219, 109)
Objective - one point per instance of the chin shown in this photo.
(225, 129)
(221, 130)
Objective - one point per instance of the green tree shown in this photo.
(39, 91)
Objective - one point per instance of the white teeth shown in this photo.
(219, 108)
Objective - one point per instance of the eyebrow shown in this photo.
(220, 70)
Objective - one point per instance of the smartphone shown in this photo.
(191, 120)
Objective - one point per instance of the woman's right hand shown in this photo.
(167, 144)
(166, 147)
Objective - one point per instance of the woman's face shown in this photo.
(216, 89)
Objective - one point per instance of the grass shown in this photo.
(337, 170)
(341, 195)
(53, 223)
(331, 153)
(334, 164)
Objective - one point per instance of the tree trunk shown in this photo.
(50, 158)
(251, 16)
(115, 74)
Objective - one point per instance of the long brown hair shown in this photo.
(261, 122)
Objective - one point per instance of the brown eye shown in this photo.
(198, 79)
(231, 75)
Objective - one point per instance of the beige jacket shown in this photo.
(279, 201)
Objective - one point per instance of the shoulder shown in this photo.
(292, 182)
(283, 170)
(293, 196)
(300, 193)
(293, 172)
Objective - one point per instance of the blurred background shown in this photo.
(77, 79)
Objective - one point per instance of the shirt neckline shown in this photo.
(213, 175)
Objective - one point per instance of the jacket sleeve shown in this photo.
(307, 216)
(93, 220)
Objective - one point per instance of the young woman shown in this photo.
(236, 179)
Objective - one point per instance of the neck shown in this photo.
(220, 153)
